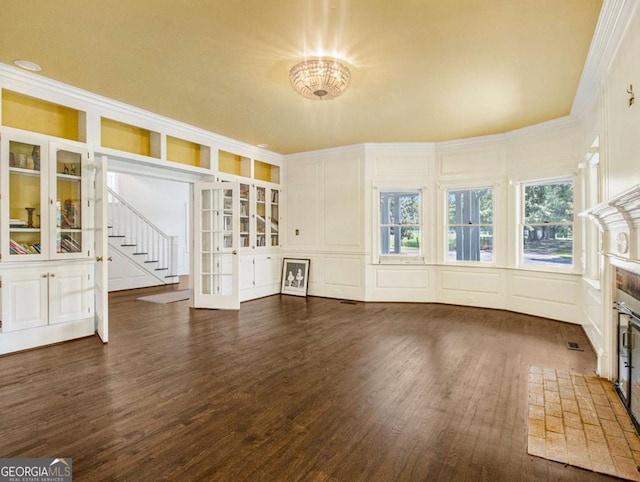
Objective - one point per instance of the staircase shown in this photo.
(136, 239)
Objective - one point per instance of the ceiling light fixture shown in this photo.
(28, 65)
(320, 79)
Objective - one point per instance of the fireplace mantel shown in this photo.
(619, 220)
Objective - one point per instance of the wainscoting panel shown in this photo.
(302, 203)
(343, 201)
(555, 296)
(474, 287)
(476, 282)
(400, 283)
(402, 279)
(336, 276)
(483, 158)
(401, 165)
(592, 306)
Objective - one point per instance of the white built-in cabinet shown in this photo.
(260, 263)
(259, 275)
(46, 295)
(260, 216)
(46, 264)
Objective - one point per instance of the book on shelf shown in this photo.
(26, 248)
(69, 245)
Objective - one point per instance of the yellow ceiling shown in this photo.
(422, 70)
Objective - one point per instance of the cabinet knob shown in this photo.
(45, 275)
(99, 258)
(52, 275)
(110, 258)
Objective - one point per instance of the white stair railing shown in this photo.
(134, 229)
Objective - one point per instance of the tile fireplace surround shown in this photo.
(578, 420)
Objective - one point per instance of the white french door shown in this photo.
(216, 227)
(102, 253)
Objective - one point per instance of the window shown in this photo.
(470, 226)
(547, 236)
(400, 223)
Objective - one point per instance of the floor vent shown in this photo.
(572, 345)
(348, 302)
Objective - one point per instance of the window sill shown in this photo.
(594, 283)
(401, 259)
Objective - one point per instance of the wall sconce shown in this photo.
(632, 97)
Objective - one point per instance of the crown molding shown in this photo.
(612, 25)
(38, 86)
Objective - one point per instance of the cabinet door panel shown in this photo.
(70, 294)
(24, 206)
(246, 273)
(68, 194)
(24, 301)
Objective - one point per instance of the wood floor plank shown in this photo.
(290, 388)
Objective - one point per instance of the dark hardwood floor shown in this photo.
(290, 389)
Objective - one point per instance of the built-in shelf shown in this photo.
(128, 138)
(266, 172)
(187, 152)
(35, 115)
(234, 164)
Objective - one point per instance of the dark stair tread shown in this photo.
(128, 245)
(139, 253)
(161, 269)
(151, 261)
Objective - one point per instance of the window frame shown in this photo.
(522, 185)
(398, 258)
(447, 226)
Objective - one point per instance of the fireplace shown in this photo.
(628, 330)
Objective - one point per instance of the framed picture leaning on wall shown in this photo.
(295, 276)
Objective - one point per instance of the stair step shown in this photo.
(161, 269)
(116, 236)
(128, 245)
(139, 253)
(171, 276)
(151, 261)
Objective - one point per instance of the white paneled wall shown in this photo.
(331, 201)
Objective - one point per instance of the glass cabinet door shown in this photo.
(67, 195)
(245, 240)
(24, 200)
(261, 216)
(274, 217)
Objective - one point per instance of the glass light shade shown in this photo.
(320, 79)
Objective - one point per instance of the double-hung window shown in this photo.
(470, 224)
(547, 227)
(400, 224)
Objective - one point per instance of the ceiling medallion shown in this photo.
(320, 79)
